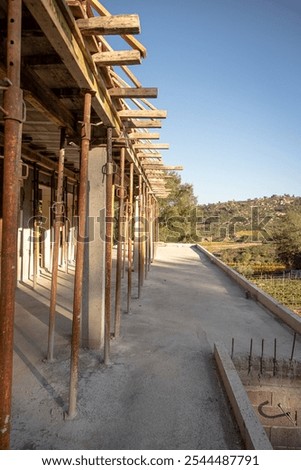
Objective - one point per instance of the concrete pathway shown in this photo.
(162, 390)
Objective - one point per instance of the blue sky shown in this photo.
(229, 76)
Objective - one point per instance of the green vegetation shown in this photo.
(260, 238)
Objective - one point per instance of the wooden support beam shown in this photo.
(151, 146)
(57, 23)
(109, 25)
(148, 123)
(131, 40)
(143, 135)
(142, 113)
(128, 92)
(109, 58)
(156, 166)
(149, 155)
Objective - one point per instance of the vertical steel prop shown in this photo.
(36, 229)
(79, 267)
(108, 247)
(58, 214)
(130, 234)
(140, 255)
(120, 240)
(13, 106)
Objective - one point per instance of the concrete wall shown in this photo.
(285, 314)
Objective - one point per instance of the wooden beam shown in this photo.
(151, 146)
(143, 135)
(148, 155)
(131, 40)
(128, 92)
(43, 99)
(109, 25)
(142, 113)
(57, 23)
(142, 124)
(117, 58)
(156, 166)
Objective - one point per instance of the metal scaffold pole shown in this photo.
(13, 107)
(120, 240)
(109, 242)
(130, 242)
(58, 214)
(79, 267)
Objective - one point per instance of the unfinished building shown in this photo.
(76, 150)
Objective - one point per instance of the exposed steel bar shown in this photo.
(120, 240)
(58, 214)
(13, 99)
(79, 267)
(130, 234)
(108, 247)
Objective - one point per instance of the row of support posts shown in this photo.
(136, 233)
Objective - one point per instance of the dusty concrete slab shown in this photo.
(162, 390)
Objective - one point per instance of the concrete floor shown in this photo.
(162, 390)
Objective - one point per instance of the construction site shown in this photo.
(110, 339)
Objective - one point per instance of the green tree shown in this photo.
(288, 239)
(176, 211)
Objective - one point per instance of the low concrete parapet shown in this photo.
(282, 312)
(252, 432)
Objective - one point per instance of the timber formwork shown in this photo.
(67, 97)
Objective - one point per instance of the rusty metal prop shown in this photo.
(108, 248)
(58, 214)
(120, 240)
(130, 243)
(79, 267)
(13, 99)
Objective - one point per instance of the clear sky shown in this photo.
(229, 76)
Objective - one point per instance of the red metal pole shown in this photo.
(119, 248)
(13, 99)
(58, 214)
(108, 248)
(130, 242)
(79, 268)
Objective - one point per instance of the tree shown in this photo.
(176, 211)
(288, 239)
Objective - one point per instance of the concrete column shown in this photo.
(94, 265)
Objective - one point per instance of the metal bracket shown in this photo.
(109, 168)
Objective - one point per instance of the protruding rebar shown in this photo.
(261, 356)
(232, 348)
(275, 357)
(250, 355)
(293, 347)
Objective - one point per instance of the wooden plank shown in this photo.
(155, 124)
(109, 25)
(131, 40)
(143, 135)
(117, 58)
(57, 23)
(128, 92)
(39, 95)
(142, 113)
(151, 146)
(148, 155)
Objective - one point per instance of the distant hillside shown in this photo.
(253, 220)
